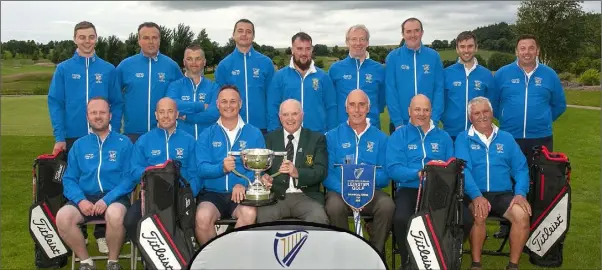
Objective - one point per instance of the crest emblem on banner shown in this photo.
(314, 83)
(358, 184)
(288, 245)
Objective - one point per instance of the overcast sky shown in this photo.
(275, 22)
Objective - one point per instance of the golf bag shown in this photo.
(166, 231)
(435, 231)
(550, 199)
(49, 249)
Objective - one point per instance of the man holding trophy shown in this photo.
(302, 170)
(225, 176)
(360, 147)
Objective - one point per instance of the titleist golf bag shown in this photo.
(49, 249)
(435, 231)
(166, 231)
(550, 199)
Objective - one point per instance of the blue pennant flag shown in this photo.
(358, 184)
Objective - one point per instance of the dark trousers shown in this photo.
(99, 229)
(405, 207)
(133, 137)
(526, 146)
(131, 219)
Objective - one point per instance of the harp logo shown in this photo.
(288, 245)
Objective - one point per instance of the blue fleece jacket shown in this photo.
(144, 82)
(368, 147)
(97, 167)
(74, 83)
(411, 72)
(213, 146)
(252, 73)
(315, 92)
(409, 149)
(527, 106)
(459, 89)
(349, 74)
(158, 146)
(192, 100)
(489, 168)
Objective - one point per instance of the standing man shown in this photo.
(358, 142)
(224, 190)
(464, 81)
(308, 84)
(409, 148)
(413, 69)
(485, 148)
(74, 83)
(302, 170)
(164, 142)
(98, 166)
(144, 79)
(250, 71)
(528, 98)
(194, 93)
(357, 71)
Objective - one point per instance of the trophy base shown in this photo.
(259, 200)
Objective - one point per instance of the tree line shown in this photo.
(569, 39)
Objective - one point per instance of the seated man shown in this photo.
(409, 148)
(488, 183)
(165, 142)
(297, 188)
(97, 168)
(224, 190)
(358, 142)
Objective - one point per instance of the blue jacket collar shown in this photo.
(78, 57)
(408, 50)
(238, 52)
(156, 58)
(536, 64)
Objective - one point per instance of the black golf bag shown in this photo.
(166, 231)
(550, 199)
(49, 249)
(435, 232)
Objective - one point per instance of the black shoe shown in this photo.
(503, 232)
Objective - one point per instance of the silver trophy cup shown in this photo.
(257, 160)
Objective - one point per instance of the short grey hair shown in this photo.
(478, 100)
(291, 100)
(356, 27)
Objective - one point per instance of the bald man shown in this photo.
(297, 188)
(409, 149)
(155, 147)
(357, 141)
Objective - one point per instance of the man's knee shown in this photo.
(247, 213)
(68, 216)
(318, 215)
(384, 206)
(115, 214)
(518, 217)
(206, 215)
(334, 205)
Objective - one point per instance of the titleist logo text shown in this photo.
(46, 230)
(422, 245)
(159, 247)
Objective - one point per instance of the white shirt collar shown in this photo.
(469, 70)
(240, 124)
(296, 134)
(487, 141)
(364, 131)
(431, 126)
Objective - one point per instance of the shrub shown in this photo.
(498, 60)
(320, 63)
(481, 60)
(447, 63)
(566, 76)
(590, 77)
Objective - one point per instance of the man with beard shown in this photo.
(358, 142)
(144, 79)
(98, 167)
(413, 69)
(527, 100)
(163, 143)
(308, 84)
(250, 71)
(194, 93)
(464, 81)
(303, 169)
(357, 71)
(485, 148)
(409, 148)
(75, 81)
(224, 190)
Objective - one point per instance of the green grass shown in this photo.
(583, 97)
(26, 133)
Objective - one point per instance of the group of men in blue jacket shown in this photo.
(171, 115)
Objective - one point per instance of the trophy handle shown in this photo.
(242, 176)
(274, 175)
